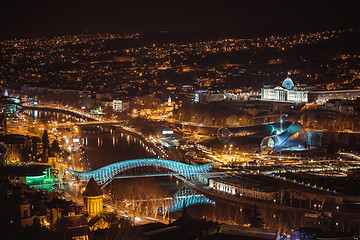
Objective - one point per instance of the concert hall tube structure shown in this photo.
(254, 131)
(291, 139)
(273, 137)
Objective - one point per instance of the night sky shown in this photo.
(48, 17)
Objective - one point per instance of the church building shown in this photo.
(93, 198)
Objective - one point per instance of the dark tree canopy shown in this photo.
(45, 140)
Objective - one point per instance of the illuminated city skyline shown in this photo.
(179, 120)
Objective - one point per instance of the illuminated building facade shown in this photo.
(32, 175)
(120, 105)
(242, 187)
(169, 105)
(9, 106)
(324, 96)
(93, 198)
(290, 93)
(287, 92)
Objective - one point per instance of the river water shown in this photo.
(102, 148)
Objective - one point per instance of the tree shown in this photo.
(333, 148)
(55, 147)
(45, 140)
(256, 219)
(45, 145)
(142, 196)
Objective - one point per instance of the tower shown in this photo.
(93, 198)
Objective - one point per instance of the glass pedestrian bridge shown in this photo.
(105, 174)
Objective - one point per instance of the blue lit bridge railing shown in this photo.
(105, 174)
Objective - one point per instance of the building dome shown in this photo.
(288, 83)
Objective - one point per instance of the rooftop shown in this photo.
(92, 189)
(288, 83)
(29, 170)
(250, 182)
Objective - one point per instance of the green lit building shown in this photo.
(9, 105)
(32, 175)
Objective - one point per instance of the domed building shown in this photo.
(93, 198)
(287, 92)
(288, 83)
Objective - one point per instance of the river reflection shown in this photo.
(102, 148)
(272, 217)
(52, 116)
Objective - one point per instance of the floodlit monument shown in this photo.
(93, 198)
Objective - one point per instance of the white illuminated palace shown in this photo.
(287, 92)
(290, 93)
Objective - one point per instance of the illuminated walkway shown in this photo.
(104, 174)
